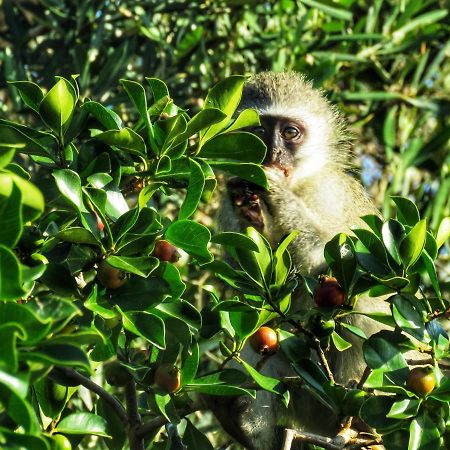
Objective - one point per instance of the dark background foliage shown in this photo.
(384, 63)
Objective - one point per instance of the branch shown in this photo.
(327, 443)
(152, 425)
(308, 333)
(134, 418)
(94, 387)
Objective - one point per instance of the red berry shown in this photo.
(110, 277)
(167, 377)
(165, 251)
(421, 381)
(329, 293)
(264, 340)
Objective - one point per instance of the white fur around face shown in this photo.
(315, 149)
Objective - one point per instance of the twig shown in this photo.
(356, 444)
(325, 442)
(364, 377)
(308, 333)
(134, 418)
(152, 425)
(289, 436)
(94, 387)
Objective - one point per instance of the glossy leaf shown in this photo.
(125, 139)
(412, 245)
(225, 96)
(57, 106)
(194, 191)
(424, 433)
(231, 146)
(82, 423)
(192, 237)
(11, 224)
(147, 326)
(29, 92)
(10, 276)
(32, 198)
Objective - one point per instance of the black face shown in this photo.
(283, 137)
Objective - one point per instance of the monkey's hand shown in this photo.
(246, 201)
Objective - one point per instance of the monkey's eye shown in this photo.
(259, 131)
(290, 133)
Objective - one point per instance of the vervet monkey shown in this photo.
(307, 163)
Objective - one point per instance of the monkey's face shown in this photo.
(283, 137)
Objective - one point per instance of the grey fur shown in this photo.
(319, 199)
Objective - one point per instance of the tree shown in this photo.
(85, 301)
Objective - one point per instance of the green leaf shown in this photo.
(443, 232)
(166, 406)
(78, 235)
(339, 342)
(6, 156)
(125, 139)
(107, 117)
(247, 118)
(203, 119)
(192, 237)
(263, 255)
(268, 383)
(226, 96)
(22, 441)
(158, 88)
(15, 383)
(32, 199)
(136, 93)
(235, 240)
(283, 260)
(382, 354)
(340, 256)
(407, 211)
(147, 326)
(407, 313)
(194, 191)
(194, 439)
(82, 423)
(413, 244)
(10, 276)
(223, 382)
(374, 412)
(337, 13)
(247, 171)
(51, 397)
(190, 366)
(189, 40)
(9, 332)
(424, 434)
(139, 265)
(22, 139)
(33, 327)
(244, 323)
(29, 92)
(58, 105)
(59, 355)
(180, 309)
(238, 146)
(393, 233)
(69, 184)
(404, 409)
(11, 218)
